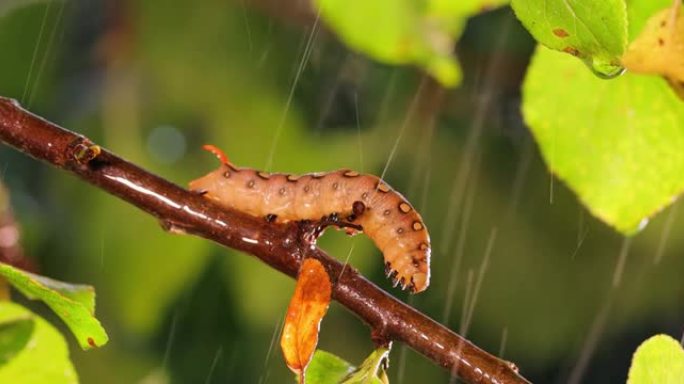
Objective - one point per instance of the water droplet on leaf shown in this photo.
(603, 68)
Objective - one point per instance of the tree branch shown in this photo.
(277, 245)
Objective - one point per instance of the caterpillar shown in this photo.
(351, 199)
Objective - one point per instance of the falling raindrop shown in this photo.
(642, 224)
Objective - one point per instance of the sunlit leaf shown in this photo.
(595, 31)
(617, 144)
(75, 304)
(658, 360)
(326, 368)
(371, 370)
(405, 31)
(659, 49)
(306, 310)
(44, 358)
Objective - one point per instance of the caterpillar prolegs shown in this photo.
(362, 201)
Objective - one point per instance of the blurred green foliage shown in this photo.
(137, 76)
(405, 31)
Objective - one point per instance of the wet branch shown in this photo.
(277, 245)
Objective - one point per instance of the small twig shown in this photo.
(277, 245)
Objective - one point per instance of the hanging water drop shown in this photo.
(604, 69)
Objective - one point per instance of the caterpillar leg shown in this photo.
(314, 229)
(334, 220)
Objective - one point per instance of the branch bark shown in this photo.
(276, 245)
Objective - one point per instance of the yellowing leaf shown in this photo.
(659, 49)
(304, 314)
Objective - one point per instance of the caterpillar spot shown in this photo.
(382, 187)
(345, 199)
(358, 208)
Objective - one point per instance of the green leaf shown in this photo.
(82, 294)
(75, 304)
(658, 360)
(617, 144)
(370, 369)
(405, 31)
(595, 31)
(42, 358)
(15, 333)
(326, 368)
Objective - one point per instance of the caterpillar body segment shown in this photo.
(363, 200)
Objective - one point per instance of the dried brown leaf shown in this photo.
(309, 304)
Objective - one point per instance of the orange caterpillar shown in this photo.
(344, 197)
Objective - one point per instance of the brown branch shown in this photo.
(277, 245)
